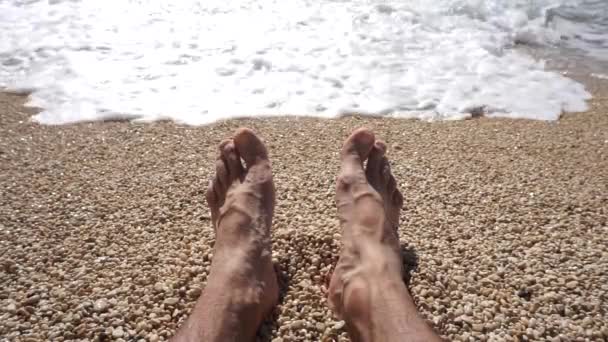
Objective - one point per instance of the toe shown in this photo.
(351, 179)
(398, 198)
(392, 194)
(221, 181)
(232, 160)
(374, 163)
(211, 197)
(391, 184)
(212, 203)
(357, 147)
(216, 192)
(249, 146)
(385, 172)
(387, 183)
(257, 178)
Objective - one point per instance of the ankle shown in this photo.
(379, 259)
(240, 265)
(361, 281)
(360, 295)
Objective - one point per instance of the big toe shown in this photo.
(258, 175)
(257, 178)
(358, 146)
(250, 147)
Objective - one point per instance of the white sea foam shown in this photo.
(197, 62)
(600, 76)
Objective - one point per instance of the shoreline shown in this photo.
(596, 86)
(104, 230)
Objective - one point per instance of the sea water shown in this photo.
(197, 62)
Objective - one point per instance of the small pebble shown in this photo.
(171, 301)
(101, 305)
(117, 332)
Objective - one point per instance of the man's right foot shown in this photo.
(368, 204)
(367, 288)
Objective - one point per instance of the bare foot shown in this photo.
(368, 204)
(242, 287)
(367, 288)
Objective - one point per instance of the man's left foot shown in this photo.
(242, 287)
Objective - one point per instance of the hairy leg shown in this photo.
(367, 289)
(242, 287)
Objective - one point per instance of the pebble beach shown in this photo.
(105, 234)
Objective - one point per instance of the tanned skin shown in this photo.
(366, 288)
